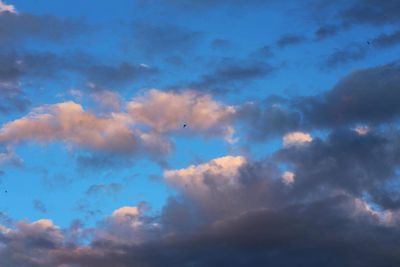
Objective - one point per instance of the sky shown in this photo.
(199, 133)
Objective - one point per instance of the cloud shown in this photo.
(113, 137)
(70, 123)
(108, 101)
(230, 73)
(290, 39)
(288, 177)
(97, 189)
(296, 139)
(202, 114)
(346, 160)
(362, 130)
(7, 8)
(117, 75)
(220, 44)
(372, 12)
(8, 156)
(164, 39)
(345, 55)
(19, 27)
(367, 96)
(387, 40)
(326, 31)
(199, 180)
(267, 119)
(39, 206)
(258, 217)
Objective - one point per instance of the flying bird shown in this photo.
(184, 125)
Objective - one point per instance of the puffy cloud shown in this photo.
(264, 216)
(296, 138)
(347, 161)
(69, 122)
(199, 180)
(288, 177)
(107, 100)
(126, 225)
(367, 96)
(362, 130)
(145, 127)
(126, 212)
(169, 111)
(7, 8)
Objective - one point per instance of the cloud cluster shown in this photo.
(241, 209)
(121, 134)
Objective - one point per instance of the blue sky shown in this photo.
(95, 95)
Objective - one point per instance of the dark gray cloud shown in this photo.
(270, 118)
(372, 12)
(326, 31)
(365, 96)
(346, 160)
(230, 73)
(17, 67)
(15, 28)
(122, 74)
(259, 221)
(387, 40)
(345, 55)
(39, 206)
(290, 39)
(13, 98)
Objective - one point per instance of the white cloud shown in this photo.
(362, 130)
(296, 138)
(288, 177)
(194, 179)
(169, 111)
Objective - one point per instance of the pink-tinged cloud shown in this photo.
(107, 100)
(200, 180)
(70, 123)
(288, 177)
(7, 8)
(169, 111)
(121, 132)
(126, 225)
(296, 139)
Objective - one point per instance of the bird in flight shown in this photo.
(184, 125)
